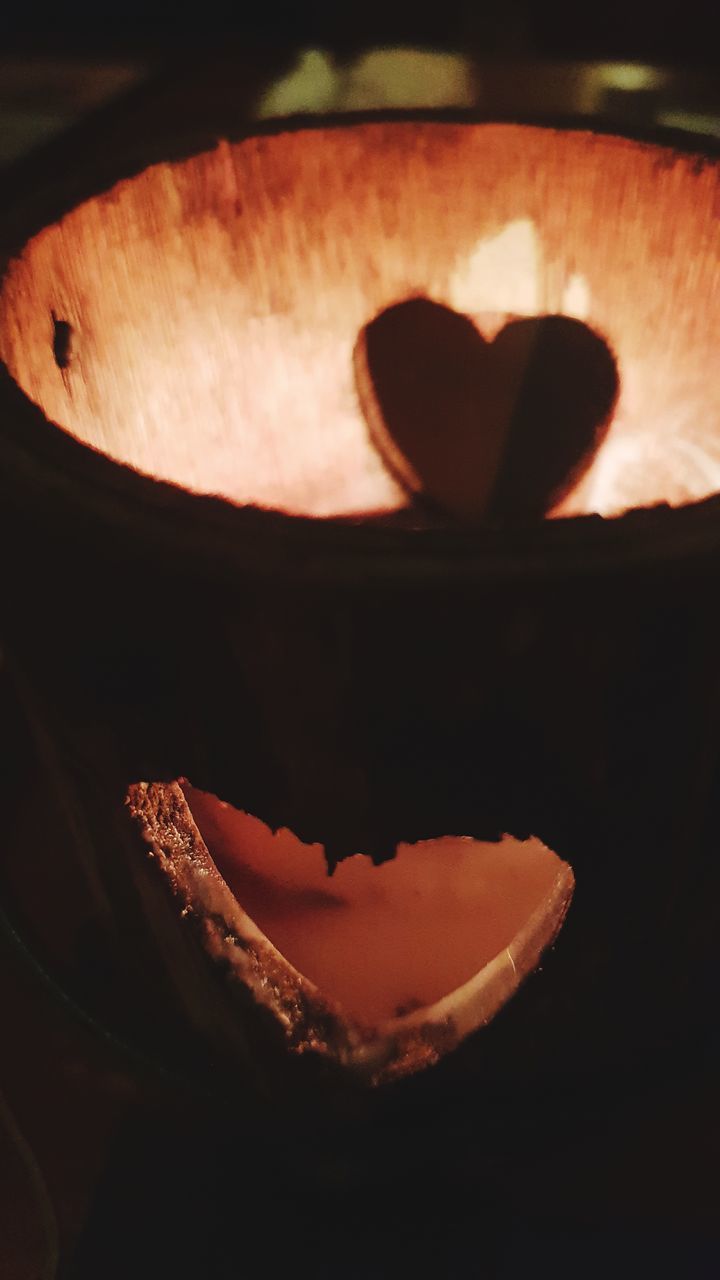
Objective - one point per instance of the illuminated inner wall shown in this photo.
(212, 306)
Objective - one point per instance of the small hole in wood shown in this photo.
(62, 342)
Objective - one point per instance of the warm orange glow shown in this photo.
(215, 303)
(383, 941)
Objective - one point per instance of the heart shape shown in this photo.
(382, 940)
(497, 430)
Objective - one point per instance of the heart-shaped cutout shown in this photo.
(497, 430)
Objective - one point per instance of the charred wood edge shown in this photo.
(78, 485)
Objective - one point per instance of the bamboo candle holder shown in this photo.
(213, 575)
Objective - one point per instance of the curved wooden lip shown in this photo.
(71, 479)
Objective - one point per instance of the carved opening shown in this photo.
(383, 940)
(382, 968)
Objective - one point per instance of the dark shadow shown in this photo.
(567, 390)
(496, 430)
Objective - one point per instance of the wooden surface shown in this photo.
(629, 1163)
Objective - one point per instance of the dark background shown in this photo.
(678, 34)
(142, 1192)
